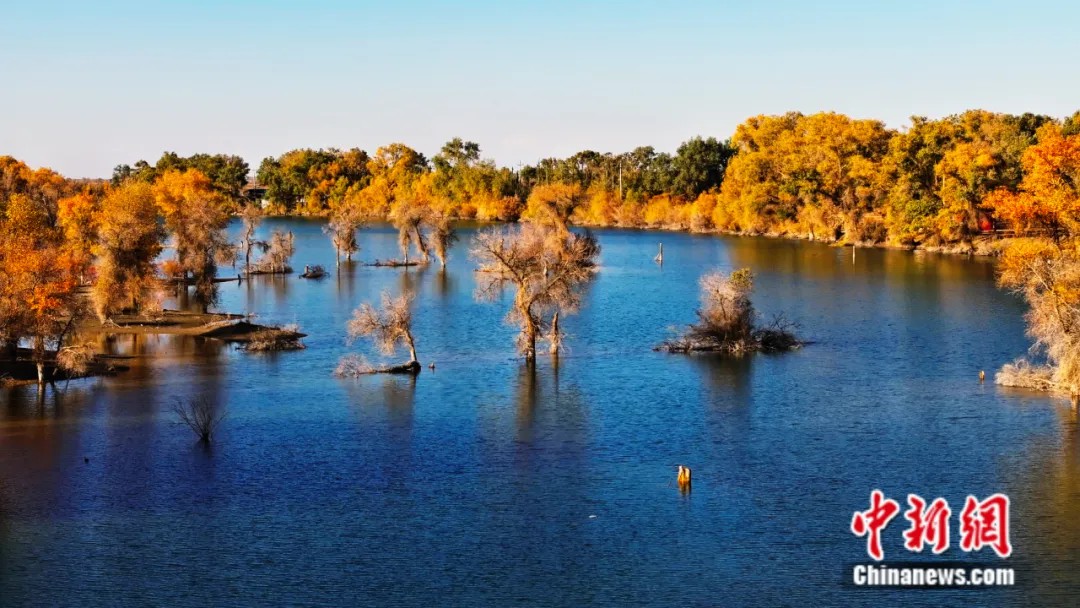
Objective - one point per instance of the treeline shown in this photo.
(822, 176)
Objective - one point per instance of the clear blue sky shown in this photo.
(87, 85)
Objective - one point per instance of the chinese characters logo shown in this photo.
(983, 523)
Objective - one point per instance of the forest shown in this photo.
(959, 183)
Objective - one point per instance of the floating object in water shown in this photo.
(86, 460)
(982, 375)
(659, 259)
(431, 365)
(313, 272)
(684, 476)
(592, 517)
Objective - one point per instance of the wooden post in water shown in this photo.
(684, 477)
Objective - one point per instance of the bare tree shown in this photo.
(546, 267)
(388, 327)
(345, 220)
(250, 216)
(443, 236)
(410, 216)
(200, 415)
(278, 251)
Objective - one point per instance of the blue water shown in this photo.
(484, 483)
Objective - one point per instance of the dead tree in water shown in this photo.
(200, 415)
(545, 265)
(345, 220)
(409, 216)
(442, 237)
(250, 217)
(387, 327)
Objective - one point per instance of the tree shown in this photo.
(195, 215)
(250, 218)
(553, 204)
(546, 267)
(387, 327)
(727, 321)
(1047, 200)
(410, 215)
(699, 165)
(39, 298)
(279, 250)
(345, 219)
(1047, 275)
(443, 236)
(129, 240)
(77, 218)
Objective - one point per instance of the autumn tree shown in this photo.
(39, 298)
(195, 215)
(1047, 200)
(1046, 271)
(545, 266)
(553, 204)
(412, 214)
(129, 240)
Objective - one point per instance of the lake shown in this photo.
(484, 483)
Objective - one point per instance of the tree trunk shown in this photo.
(555, 342)
(412, 346)
(529, 328)
(39, 357)
(420, 242)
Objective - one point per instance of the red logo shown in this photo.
(982, 524)
(872, 521)
(928, 525)
(986, 523)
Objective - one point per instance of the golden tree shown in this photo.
(39, 298)
(195, 214)
(545, 266)
(1046, 272)
(129, 240)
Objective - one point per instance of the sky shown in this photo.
(85, 86)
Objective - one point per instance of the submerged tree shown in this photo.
(200, 415)
(345, 219)
(727, 320)
(410, 215)
(443, 236)
(250, 217)
(545, 266)
(388, 327)
(277, 253)
(194, 213)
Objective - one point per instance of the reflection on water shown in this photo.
(490, 482)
